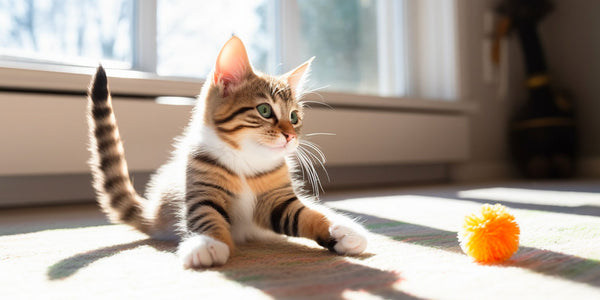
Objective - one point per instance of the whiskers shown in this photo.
(306, 103)
(309, 155)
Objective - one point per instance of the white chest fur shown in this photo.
(243, 227)
(249, 160)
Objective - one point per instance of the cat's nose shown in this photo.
(289, 136)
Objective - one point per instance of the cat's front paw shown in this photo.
(201, 251)
(350, 240)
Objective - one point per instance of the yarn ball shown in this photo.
(491, 235)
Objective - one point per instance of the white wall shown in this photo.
(488, 140)
(47, 134)
(44, 141)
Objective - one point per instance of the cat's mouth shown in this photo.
(285, 147)
(270, 146)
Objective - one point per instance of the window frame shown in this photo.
(144, 46)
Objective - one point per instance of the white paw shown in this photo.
(202, 251)
(351, 240)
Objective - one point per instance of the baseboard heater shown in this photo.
(44, 143)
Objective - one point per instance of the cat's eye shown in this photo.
(294, 117)
(265, 110)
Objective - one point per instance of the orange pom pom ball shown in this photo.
(490, 236)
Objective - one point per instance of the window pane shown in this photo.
(342, 34)
(80, 32)
(190, 34)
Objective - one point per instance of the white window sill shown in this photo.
(405, 104)
(16, 76)
(23, 77)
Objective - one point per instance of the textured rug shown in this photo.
(413, 253)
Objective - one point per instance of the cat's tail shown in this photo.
(115, 192)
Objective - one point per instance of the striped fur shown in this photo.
(228, 179)
(116, 194)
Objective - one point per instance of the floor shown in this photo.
(70, 251)
(516, 194)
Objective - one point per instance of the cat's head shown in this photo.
(248, 109)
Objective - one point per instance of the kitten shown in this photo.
(229, 178)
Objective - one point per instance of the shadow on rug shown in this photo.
(278, 268)
(69, 266)
(542, 261)
(298, 268)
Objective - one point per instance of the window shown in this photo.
(190, 34)
(76, 32)
(327, 27)
(340, 33)
(395, 48)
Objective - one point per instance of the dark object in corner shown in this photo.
(543, 136)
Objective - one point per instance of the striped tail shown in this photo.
(115, 191)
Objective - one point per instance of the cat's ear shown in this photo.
(297, 77)
(232, 65)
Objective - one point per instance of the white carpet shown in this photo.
(70, 252)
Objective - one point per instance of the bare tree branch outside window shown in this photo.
(67, 31)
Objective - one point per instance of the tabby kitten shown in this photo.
(229, 178)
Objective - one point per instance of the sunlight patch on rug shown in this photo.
(532, 196)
